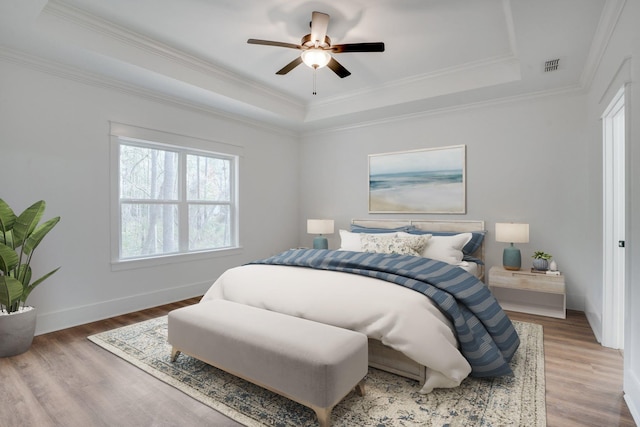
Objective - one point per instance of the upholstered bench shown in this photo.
(311, 363)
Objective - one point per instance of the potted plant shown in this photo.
(19, 237)
(541, 260)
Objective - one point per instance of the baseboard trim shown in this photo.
(632, 391)
(594, 318)
(55, 321)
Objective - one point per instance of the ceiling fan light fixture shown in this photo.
(317, 49)
(316, 57)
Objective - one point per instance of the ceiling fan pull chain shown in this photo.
(315, 70)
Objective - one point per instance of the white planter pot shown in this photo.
(540, 264)
(16, 332)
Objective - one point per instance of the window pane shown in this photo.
(148, 174)
(148, 229)
(209, 227)
(208, 178)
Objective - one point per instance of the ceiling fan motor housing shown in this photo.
(309, 42)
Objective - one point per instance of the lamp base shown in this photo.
(511, 259)
(320, 243)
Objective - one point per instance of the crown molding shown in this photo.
(511, 30)
(569, 90)
(151, 54)
(606, 26)
(69, 73)
(621, 77)
(459, 78)
(99, 81)
(421, 79)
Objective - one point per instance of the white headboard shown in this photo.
(461, 226)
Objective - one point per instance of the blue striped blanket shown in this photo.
(487, 337)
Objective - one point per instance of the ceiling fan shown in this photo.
(316, 48)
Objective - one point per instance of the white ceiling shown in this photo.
(439, 53)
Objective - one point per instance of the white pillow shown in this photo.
(445, 248)
(392, 244)
(351, 241)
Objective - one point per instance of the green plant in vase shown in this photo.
(541, 260)
(20, 235)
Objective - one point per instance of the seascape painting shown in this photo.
(422, 181)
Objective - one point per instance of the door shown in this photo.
(614, 136)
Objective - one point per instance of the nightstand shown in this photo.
(528, 292)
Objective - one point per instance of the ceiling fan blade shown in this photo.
(338, 69)
(290, 66)
(358, 47)
(272, 43)
(319, 25)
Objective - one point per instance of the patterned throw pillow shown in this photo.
(351, 241)
(410, 245)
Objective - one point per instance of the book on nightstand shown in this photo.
(547, 272)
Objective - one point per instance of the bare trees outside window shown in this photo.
(173, 200)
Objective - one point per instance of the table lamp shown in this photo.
(510, 232)
(320, 227)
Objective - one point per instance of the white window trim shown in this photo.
(121, 130)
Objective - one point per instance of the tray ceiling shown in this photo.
(439, 53)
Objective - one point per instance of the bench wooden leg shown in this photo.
(174, 354)
(324, 416)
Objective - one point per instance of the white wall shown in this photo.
(619, 66)
(525, 162)
(54, 134)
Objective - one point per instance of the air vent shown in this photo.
(551, 65)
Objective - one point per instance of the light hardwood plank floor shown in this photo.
(583, 379)
(65, 380)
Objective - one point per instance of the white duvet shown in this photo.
(399, 317)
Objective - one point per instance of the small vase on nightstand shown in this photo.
(540, 264)
(553, 266)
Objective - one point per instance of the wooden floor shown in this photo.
(583, 379)
(65, 380)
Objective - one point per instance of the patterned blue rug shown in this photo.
(389, 401)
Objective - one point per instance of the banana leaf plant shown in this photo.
(19, 237)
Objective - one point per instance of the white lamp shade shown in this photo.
(511, 232)
(316, 57)
(320, 226)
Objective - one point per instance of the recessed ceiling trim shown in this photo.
(95, 80)
(447, 81)
(570, 90)
(511, 32)
(96, 34)
(226, 77)
(607, 24)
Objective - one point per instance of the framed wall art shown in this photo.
(421, 181)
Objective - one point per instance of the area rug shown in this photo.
(389, 400)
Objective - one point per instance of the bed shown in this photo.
(433, 340)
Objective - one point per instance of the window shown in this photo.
(173, 200)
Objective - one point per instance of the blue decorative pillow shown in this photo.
(473, 245)
(375, 230)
